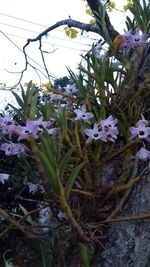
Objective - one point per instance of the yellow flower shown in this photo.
(30, 83)
(92, 21)
(88, 11)
(128, 5)
(46, 88)
(70, 32)
(111, 6)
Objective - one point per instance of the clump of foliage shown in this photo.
(84, 140)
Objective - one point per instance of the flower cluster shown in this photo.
(130, 40)
(143, 154)
(45, 218)
(141, 131)
(4, 177)
(63, 92)
(55, 97)
(12, 149)
(128, 5)
(98, 50)
(83, 114)
(34, 188)
(7, 124)
(106, 130)
(70, 89)
(32, 129)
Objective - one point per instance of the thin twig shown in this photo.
(43, 59)
(15, 223)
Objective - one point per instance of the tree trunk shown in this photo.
(128, 243)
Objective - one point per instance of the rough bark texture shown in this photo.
(128, 242)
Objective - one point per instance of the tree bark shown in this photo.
(128, 241)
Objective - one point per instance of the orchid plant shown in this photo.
(76, 135)
(69, 140)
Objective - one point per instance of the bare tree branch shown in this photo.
(43, 59)
(71, 23)
(16, 224)
(108, 32)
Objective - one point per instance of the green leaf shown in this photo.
(131, 24)
(72, 178)
(32, 111)
(25, 212)
(23, 93)
(49, 171)
(29, 98)
(48, 148)
(62, 120)
(141, 13)
(84, 252)
(28, 93)
(28, 103)
(18, 99)
(64, 161)
(46, 253)
(46, 109)
(18, 112)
